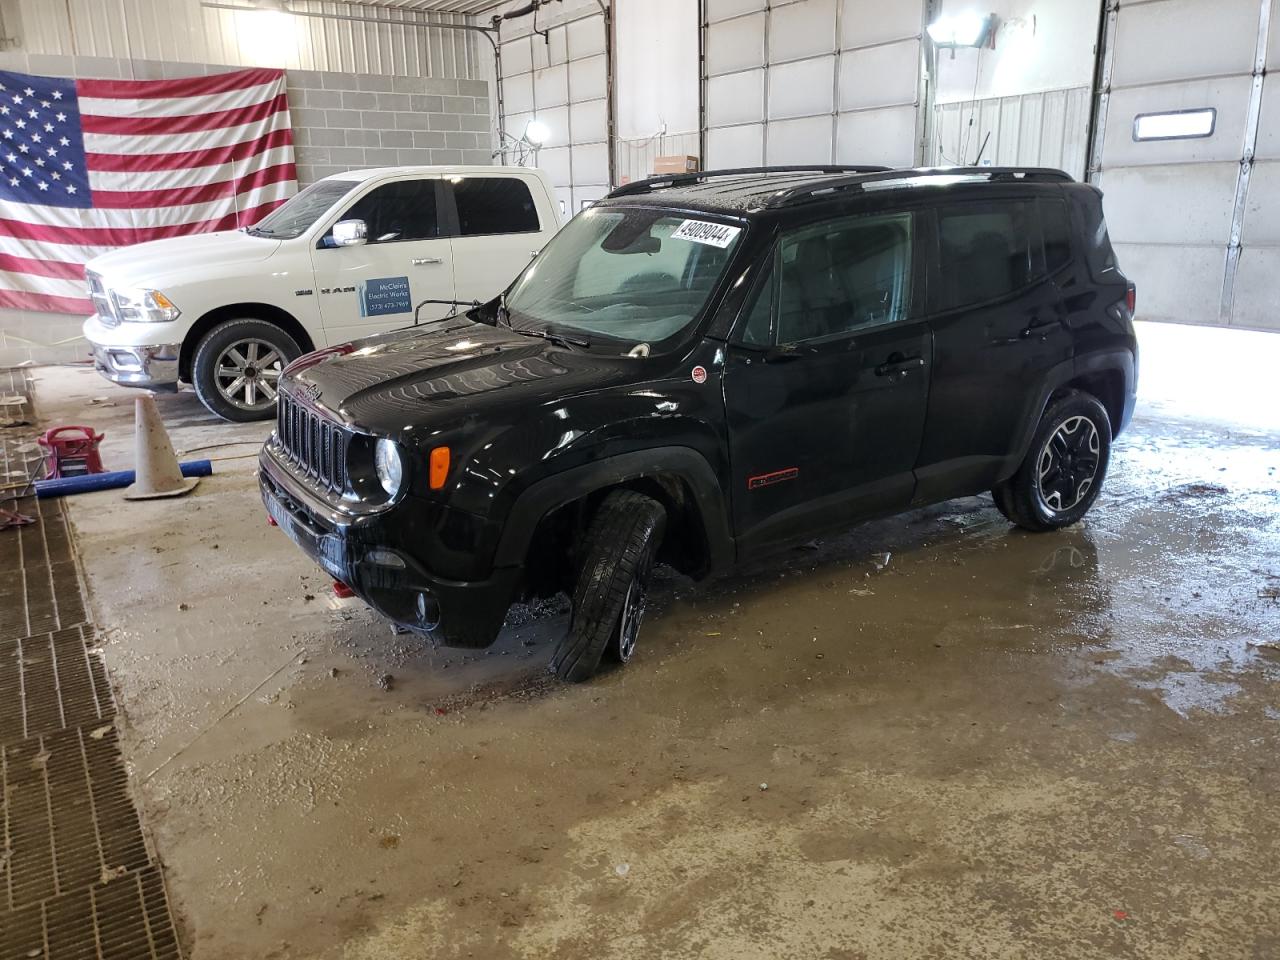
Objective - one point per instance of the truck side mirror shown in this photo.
(350, 233)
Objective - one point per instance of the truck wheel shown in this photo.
(237, 368)
(1064, 470)
(609, 598)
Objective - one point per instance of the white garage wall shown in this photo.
(183, 31)
(811, 81)
(1193, 221)
(558, 76)
(656, 65)
(1030, 94)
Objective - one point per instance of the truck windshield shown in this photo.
(295, 217)
(624, 273)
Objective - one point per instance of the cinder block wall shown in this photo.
(341, 122)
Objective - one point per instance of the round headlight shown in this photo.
(386, 460)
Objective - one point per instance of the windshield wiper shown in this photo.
(469, 304)
(560, 340)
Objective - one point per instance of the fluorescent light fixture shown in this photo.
(1176, 125)
(536, 132)
(962, 29)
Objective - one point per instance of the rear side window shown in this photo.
(844, 276)
(986, 251)
(1098, 250)
(1057, 234)
(404, 210)
(488, 205)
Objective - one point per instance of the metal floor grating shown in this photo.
(77, 878)
(126, 919)
(39, 583)
(51, 682)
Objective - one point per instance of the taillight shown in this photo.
(1131, 299)
(438, 467)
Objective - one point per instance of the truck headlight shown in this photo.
(144, 306)
(390, 468)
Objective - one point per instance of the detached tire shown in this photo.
(609, 598)
(1065, 468)
(237, 368)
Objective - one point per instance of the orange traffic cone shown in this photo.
(157, 473)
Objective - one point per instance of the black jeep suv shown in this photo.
(702, 368)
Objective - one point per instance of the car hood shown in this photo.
(420, 376)
(180, 258)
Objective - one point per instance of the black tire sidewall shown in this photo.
(621, 541)
(210, 349)
(1026, 484)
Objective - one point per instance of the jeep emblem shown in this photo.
(311, 392)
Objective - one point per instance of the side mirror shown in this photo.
(350, 233)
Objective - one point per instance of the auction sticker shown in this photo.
(713, 234)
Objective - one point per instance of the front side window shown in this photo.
(844, 276)
(986, 251)
(403, 210)
(489, 205)
(296, 216)
(633, 274)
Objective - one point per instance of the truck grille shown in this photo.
(101, 299)
(315, 447)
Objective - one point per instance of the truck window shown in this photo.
(843, 276)
(403, 210)
(296, 215)
(986, 251)
(1057, 234)
(488, 205)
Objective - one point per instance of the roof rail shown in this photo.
(792, 195)
(684, 179)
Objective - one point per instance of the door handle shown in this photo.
(422, 261)
(898, 365)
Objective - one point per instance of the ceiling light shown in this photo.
(537, 133)
(962, 30)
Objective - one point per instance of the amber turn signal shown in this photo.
(439, 467)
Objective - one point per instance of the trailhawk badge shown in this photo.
(699, 374)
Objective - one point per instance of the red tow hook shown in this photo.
(271, 521)
(342, 591)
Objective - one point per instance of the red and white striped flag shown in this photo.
(87, 166)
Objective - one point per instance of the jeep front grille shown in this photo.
(316, 448)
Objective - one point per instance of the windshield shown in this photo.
(295, 216)
(626, 273)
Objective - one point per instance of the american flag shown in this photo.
(87, 166)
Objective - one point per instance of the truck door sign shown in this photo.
(384, 295)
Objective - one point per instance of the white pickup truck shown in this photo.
(349, 256)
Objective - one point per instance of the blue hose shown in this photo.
(66, 486)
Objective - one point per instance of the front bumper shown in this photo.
(154, 365)
(396, 584)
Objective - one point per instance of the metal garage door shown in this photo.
(811, 81)
(559, 75)
(1193, 219)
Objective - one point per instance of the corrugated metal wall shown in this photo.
(1049, 129)
(184, 31)
(559, 77)
(811, 81)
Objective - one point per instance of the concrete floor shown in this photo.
(991, 745)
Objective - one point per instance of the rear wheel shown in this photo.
(237, 368)
(1064, 470)
(609, 598)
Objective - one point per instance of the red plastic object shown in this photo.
(71, 452)
(342, 591)
(271, 521)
